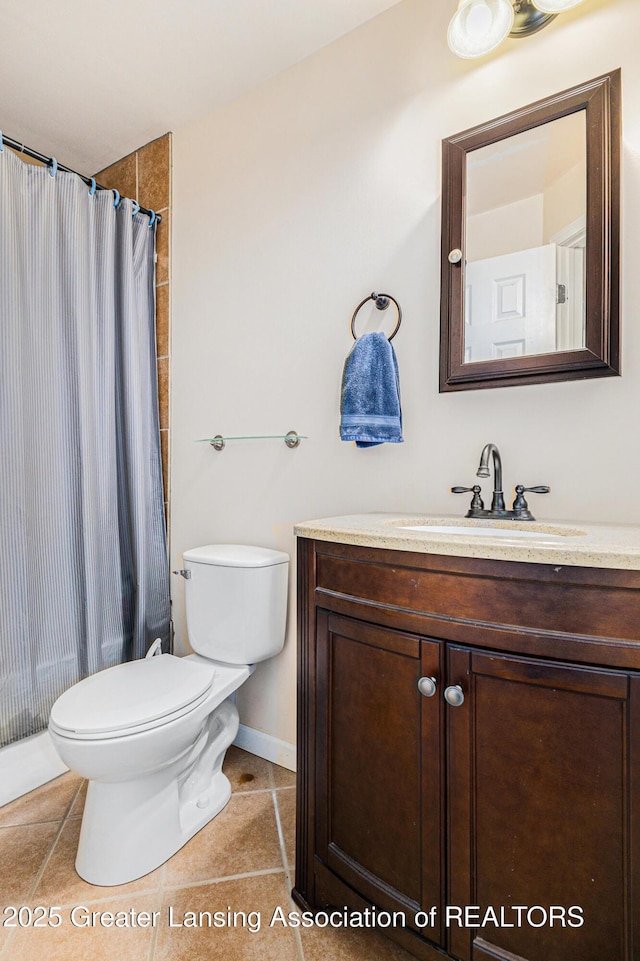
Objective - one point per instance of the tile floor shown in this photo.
(241, 862)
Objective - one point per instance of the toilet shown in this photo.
(151, 735)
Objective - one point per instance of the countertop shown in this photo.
(570, 543)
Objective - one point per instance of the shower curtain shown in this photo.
(83, 562)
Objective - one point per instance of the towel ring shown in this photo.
(382, 302)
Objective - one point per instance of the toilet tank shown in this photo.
(236, 601)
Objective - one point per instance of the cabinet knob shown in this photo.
(454, 695)
(427, 686)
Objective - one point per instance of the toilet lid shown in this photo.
(130, 694)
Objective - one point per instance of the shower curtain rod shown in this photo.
(20, 147)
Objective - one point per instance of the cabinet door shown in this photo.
(378, 775)
(540, 810)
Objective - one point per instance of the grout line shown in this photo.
(287, 873)
(283, 851)
(159, 900)
(229, 877)
(4, 952)
(28, 824)
(163, 283)
(297, 935)
(73, 801)
(258, 790)
(46, 860)
(296, 931)
(272, 780)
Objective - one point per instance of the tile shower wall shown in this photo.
(145, 175)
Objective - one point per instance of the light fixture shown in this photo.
(479, 26)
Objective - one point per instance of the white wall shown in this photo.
(299, 199)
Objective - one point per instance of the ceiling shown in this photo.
(90, 82)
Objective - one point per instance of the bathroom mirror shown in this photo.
(530, 237)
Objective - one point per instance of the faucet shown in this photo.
(520, 509)
(497, 502)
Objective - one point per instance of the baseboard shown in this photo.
(31, 762)
(266, 746)
(26, 764)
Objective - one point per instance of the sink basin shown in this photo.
(549, 534)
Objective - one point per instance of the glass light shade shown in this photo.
(555, 6)
(479, 26)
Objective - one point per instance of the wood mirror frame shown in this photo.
(600, 98)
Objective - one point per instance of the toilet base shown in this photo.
(131, 827)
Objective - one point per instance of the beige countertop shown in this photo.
(565, 543)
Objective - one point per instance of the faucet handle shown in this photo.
(520, 503)
(476, 502)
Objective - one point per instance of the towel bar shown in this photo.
(292, 439)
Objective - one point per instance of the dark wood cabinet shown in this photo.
(539, 782)
(379, 751)
(496, 812)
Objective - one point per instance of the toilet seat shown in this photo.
(132, 697)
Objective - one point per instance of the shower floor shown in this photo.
(242, 862)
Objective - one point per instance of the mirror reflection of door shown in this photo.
(510, 305)
(525, 243)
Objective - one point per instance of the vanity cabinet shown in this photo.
(494, 803)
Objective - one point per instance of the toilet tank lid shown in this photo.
(235, 555)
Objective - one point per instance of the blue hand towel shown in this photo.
(370, 401)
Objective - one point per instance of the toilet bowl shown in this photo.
(151, 735)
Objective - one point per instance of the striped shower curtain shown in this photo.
(83, 563)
